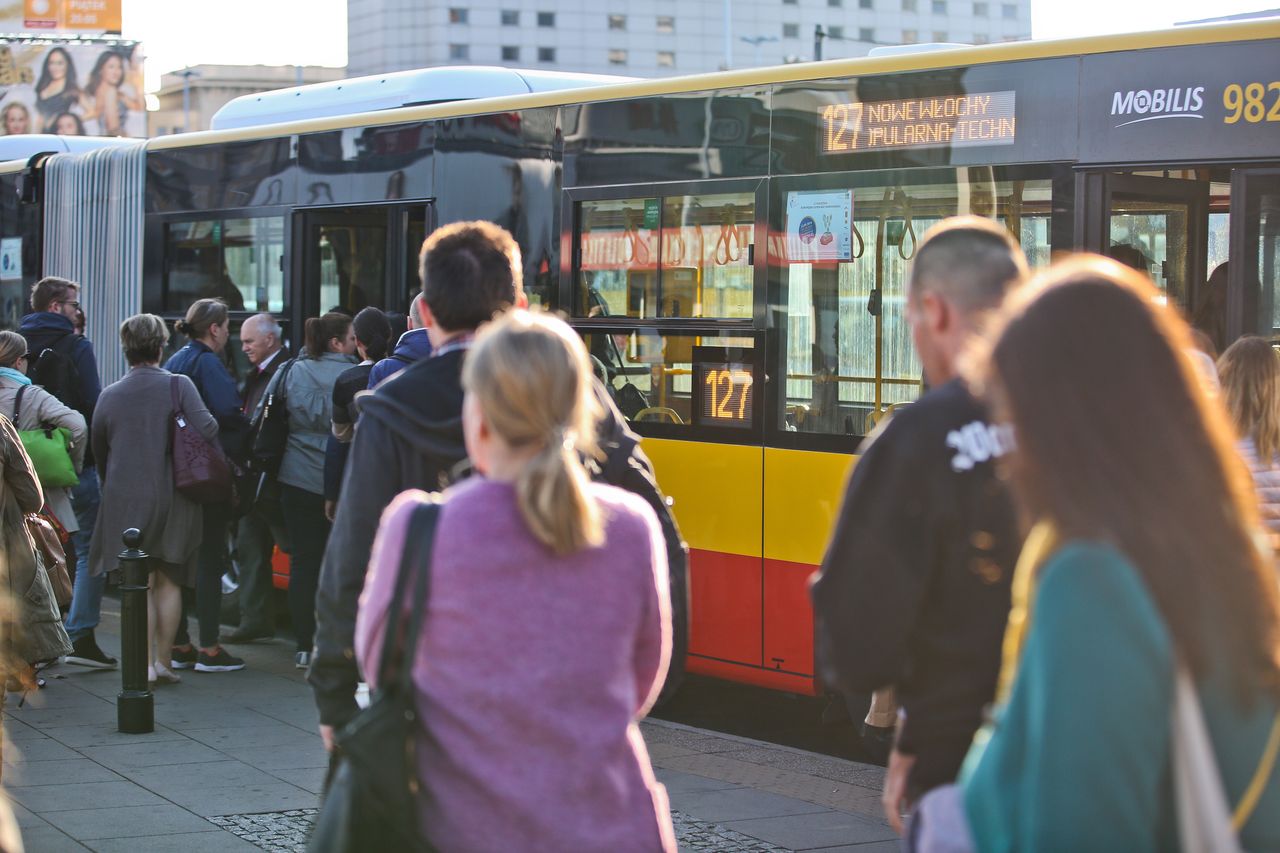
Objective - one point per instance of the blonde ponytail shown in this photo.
(532, 378)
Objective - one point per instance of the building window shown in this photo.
(981, 10)
(546, 19)
(791, 31)
(458, 16)
(940, 36)
(835, 4)
(866, 4)
(910, 37)
(939, 7)
(666, 24)
(790, 2)
(510, 53)
(908, 5)
(459, 51)
(866, 34)
(546, 54)
(617, 22)
(1009, 11)
(666, 59)
(617, 56)
(981, 38)
(510, 18)
(835, 32)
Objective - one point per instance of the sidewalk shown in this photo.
(235, 763)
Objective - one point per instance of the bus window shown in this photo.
(680, 380)
(253, 252)
(676, 257)
(706, 262)
(618, 251)
(236, 260)
(849, 359)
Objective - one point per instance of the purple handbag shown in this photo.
(200, 470)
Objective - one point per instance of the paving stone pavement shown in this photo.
(235, 763)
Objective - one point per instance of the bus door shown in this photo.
(355, 257)
(1253, 305)
(1155, 224)
(663, 287)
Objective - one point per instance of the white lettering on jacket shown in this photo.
(977, 442)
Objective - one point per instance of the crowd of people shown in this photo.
(1052, 570)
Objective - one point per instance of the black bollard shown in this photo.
(135, 707)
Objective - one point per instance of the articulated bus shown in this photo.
(732, 247)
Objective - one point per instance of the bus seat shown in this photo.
(874, 417)
(658, 413)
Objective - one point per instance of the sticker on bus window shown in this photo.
(10, 258)
(819, 226)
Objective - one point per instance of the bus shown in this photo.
(732, 247)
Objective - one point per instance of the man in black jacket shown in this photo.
(913, 592)
(409, 437)
(262, 528)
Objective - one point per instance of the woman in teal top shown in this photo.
(1146, 554)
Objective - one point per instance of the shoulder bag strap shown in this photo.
(397, 654)
(173, 395)
(17, 405)
(1249, 802)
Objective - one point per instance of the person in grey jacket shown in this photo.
(308, 391)
(134, 454)
(40, 408)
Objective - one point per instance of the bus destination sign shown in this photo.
(723, 381)
(958, 121)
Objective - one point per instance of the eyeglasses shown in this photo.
(72, 304)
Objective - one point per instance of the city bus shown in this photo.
(732, 247)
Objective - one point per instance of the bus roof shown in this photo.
(421, 87)
(985, 54)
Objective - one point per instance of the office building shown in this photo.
(661, 38)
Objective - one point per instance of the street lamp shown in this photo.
(186, 74)
(755, 42)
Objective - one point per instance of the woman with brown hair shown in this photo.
(308, 391)
(1249, 372)
(1142, 565)
(207, 327)
(552, 586)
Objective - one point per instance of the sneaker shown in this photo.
(85, 652)
(302, 660)
(219, 662)
(180, 658)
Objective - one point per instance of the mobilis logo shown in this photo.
(1154, 104)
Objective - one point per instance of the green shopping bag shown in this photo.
(50, 450)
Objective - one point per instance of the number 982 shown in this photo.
(1248, 101)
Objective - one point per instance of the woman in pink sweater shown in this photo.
(547, 630)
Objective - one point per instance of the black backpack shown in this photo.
(55, 370)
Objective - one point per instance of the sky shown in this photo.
(176, 33)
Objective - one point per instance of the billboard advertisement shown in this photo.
(72, 89)
(51, 17)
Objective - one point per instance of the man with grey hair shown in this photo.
(262, 528)
(913, 593)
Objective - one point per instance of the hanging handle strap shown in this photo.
(17, 405)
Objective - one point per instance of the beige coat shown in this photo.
(131, 447)
(39, 407)
(29, 620)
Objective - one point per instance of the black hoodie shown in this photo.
(409, 437)
(914, 589)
